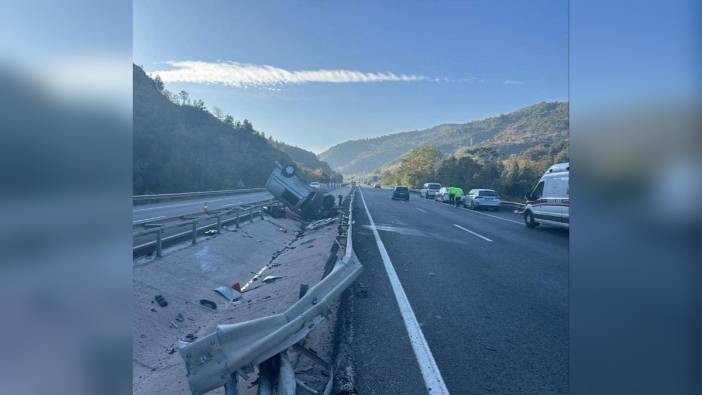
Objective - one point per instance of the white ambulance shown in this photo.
(549, 201)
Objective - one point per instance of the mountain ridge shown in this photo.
(511, 133)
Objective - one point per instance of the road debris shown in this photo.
(321, 223)
(173, 324)
(270, 279)
(211, 232)
(237, 287)
(179, 317)
(161, 300)
(190, 338)
(209, 304)
(228, 293)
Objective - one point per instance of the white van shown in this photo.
(429, 190)
(549, 201)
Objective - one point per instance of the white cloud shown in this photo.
(250, 75)
(513, 82)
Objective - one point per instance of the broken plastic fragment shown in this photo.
(270, 279)
(228, 293)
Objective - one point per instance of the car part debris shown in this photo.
(211, 232)
(237, 287)
(179, 317)
(161, 300)
(321, 223)
(173, 324)
(228, 293)
(209, 304)
(303, 200)
(270, 279)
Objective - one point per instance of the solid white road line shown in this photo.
(430, 371)
(148, 219)
(471, 232)
(494, 216)
(421, 210)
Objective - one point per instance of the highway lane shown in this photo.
(155, 211)
(490, 297)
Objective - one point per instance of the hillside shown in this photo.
(543, 123)
(315, 169)
(182, 147)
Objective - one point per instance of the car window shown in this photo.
(401, 189)
(538, 191)
(434, 186)
(487, 193)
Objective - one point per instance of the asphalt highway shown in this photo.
(156, 211)
(457, 301)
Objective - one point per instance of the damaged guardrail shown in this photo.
(235, 349)
(220, 217)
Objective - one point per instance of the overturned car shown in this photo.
(302, 199)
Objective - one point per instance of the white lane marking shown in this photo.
(182, 204)
(148, 219)
(471, 232)
(495, 216)
(430, 371)
(422, 210)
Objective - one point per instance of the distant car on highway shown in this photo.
(376, 185)
(482, 198)
(400, 193)
(549, 201)
(429, 190)
(315, 184)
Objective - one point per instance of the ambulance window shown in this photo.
(538, 191)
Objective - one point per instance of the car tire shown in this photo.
(472, 205)
(529, 220)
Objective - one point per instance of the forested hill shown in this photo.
(513, 133)
(179, 146)
(309, 163)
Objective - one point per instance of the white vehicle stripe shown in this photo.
(473, 233)
(430, 371)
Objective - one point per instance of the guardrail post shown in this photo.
(237, 217)
(159, 243)
(261, 211)
(194, 232)
(230, 388)
(250, 214)
(219, 224)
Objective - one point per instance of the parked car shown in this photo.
(549, 201)
(376, 185)
(315, 184)
(442, 195)
(400, 193)
(482, 198)
(429, 190)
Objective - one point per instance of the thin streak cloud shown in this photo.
(249, 75)
(513, 82)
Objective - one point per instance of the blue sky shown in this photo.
(395, 66)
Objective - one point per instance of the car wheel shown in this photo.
(529, 220)
(472, 205)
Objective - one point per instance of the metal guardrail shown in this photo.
(235, 214)
(218, 358)
(141, 199)
(515, 205)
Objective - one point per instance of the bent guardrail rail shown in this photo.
(215, 360)
(219, 216)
